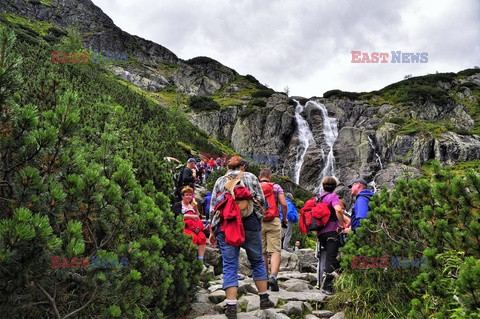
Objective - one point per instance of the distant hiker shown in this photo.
(271, 225)
(329, 236)
(362, 197)
(193, 224)
(211, 164)
(206, 206)
(203, 170)
(186, 177)
(251, 216)
(346, 224)
(292, 218)
(297, 246)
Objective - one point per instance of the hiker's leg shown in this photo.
(230, 256)
(264, 245)
(201, 250)
(231, 293)
(274, 245)
(288, 235)
(332, 245)
(253, 248)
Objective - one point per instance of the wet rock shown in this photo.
(217, 296)
(322, 313)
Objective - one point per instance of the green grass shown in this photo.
(247, 89)
(170, 96)
(410, 126)
(167, 68)
(473, 107)
(41, 28)
(225, 149)
(458, 169)
(46, 3)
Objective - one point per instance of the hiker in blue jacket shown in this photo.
(292, 218)
(360, 209)
(206, 206)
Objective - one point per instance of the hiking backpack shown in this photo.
(272, 211)
(314, 215)
(178, 180)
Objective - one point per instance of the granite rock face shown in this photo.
(373, 141)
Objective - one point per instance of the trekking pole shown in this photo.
(321, 255)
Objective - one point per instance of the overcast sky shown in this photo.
(306, 45)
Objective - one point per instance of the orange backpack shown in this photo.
(272, 211)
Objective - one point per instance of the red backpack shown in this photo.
(314, 215)
(272, 210)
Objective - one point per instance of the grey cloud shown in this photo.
(306, 44)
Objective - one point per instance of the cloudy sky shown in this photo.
(306, 45)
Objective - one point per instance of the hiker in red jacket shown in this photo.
(193, 224)
(251, 216)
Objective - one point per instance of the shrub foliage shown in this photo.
(82, 176)
(437, 219)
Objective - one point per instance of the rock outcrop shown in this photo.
(382, 136)
(380, 142)
(152, 67)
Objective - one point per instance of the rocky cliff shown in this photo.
(152, 67)
(380, 136)
(379, 139)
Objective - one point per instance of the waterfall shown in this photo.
(379, 160)
(373, 185)
(330, 133)
(305, 139)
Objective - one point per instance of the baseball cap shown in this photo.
(359, 180)
(191, 160)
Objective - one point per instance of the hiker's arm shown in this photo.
(257, 191)
(347, 220)
(361, 207)
(339, 212)
(212, 199)
(283, 203)
(191, 216)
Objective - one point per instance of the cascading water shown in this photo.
(305, 139)
(330, 133)
(379, 160)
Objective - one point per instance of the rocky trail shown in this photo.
(297, 298)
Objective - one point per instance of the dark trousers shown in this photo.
(331, 243)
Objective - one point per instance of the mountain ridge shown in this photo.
(416, 111)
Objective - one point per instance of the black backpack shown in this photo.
(178, 178)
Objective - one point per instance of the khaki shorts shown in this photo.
(272, 236)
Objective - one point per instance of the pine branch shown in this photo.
(384, 227)
(50, 300)
(82, 307)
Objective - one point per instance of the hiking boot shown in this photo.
(265, 302)
(231, 311)
(328, 292)
(272, 284)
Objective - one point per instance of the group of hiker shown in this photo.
(246, 211)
